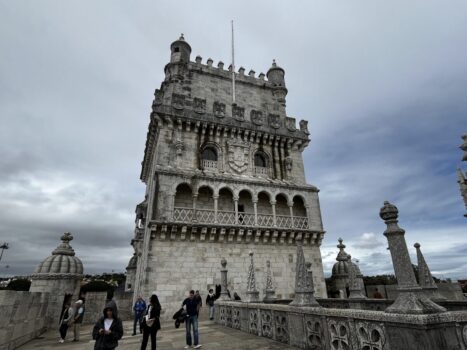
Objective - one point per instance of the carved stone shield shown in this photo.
(218, 109)
(238, 153)
(274, 121)
(178, 101)
(290, 124)
(256, 117)
(199, 105)
(238, 112)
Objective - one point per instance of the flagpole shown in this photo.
(233, 65)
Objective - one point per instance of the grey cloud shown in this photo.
(384, 96)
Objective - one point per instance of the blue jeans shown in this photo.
(192, 321)
(137, 320)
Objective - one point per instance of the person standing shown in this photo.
(151, 323)
(199, 300)
(191, 321)
(66, 321)
(108, 330)
(139, 309)
(78, 319)
(210, 303)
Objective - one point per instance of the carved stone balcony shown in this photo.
(209, 164)
(262, 171)
(229, 218)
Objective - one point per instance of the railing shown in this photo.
(246, 219)
(265, 220)
(207, 216)
(260, 170)
(209, 164)
(183, 214)
(300, 222)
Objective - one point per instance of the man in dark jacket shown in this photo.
(210, 303)
(108, 330)
(191, 304)
(139, 310)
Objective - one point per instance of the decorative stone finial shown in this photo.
(274, 63)
(181, 37)
(269, 291)
(354, 287)
(224, 294)
(464, 147)
(389, 212)
(411, 298)
(425, 279)
(65, 248)
(304, 289)
(251, 292)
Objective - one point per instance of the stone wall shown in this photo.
(332, 329)
(124, 302)
(178, 266)
(95, 303)
(23, 316)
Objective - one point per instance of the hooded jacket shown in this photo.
(108, 341)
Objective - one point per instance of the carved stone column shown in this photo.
(273, 206)
(215, 198)
(236, 210)
(411, 299)
(224, 294)
(304, 289)
(252, 294)
(354, 286)
(290, 204)
(270, 292)
(195, 200)
(255, 208)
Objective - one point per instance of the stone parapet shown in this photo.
(329, 329)
(23, 317)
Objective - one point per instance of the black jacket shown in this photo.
(108, 341)
(155, 314)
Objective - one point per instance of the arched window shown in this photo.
(209, 153)
(261, 160)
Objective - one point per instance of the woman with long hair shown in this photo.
(151, 323)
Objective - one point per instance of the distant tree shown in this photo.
(20, 284)
(99, 286)
(379, 280)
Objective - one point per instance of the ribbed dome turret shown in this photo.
(62, 261)
(341, 267)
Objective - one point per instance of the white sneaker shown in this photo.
(187, 346)
(61, 341)
(197, 346)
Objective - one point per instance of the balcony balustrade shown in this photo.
(209, 164)
(208, 216)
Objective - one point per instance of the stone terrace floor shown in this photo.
(212, 336)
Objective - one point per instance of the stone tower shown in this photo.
(222, 179)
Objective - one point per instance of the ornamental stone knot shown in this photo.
(223, 263)
(388, 211)
(66, 237)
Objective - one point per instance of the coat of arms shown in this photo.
(218, 109)
(238, 155)
(274, 121)
(290, 124)
(178, 101)
(238, 112)
(199, 105)
(256, 117)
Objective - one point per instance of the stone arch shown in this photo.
(264, 203)
(299, 206)
(205, 184)
(225, 201)
(205, 198)
(183, 196)
(282, 204)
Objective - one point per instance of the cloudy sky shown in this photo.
(382, 83)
